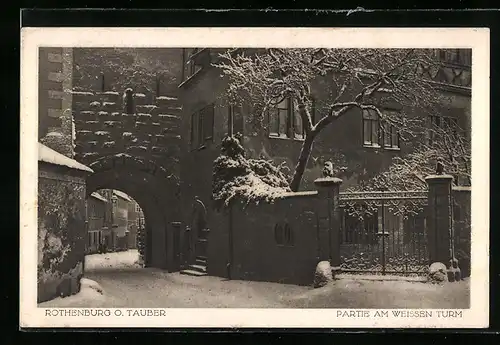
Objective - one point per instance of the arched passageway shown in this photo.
(157, 194)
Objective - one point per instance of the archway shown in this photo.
(157, 194)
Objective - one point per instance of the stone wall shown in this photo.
(61, 230)
(252, 240)
(104, 129)
(462, 227)
(152, 71)
(99, 78)
(55, 126)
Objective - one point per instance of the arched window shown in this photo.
(283, 234)
(199, 217)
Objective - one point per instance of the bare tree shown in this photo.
(365, 79)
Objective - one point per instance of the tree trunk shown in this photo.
(305, 152)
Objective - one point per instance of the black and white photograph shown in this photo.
(257, 177)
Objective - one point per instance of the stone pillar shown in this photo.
(328, 212)
(439, 221)
(55, 110)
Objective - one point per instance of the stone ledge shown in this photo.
(462, 188)
(439, 178)
(327, 181)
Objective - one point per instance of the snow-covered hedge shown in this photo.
(51, 253)
(245, 179)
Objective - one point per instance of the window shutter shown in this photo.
(194, 130)
(208, 118)
(200, 127)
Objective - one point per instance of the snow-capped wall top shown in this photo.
(462, 188)
(99, 197)
(47, 155)
(122, 195)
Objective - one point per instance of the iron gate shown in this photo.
(383, 233)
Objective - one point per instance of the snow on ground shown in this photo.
(126, 285)
(359, 293)
(117, 260)
(90, 293)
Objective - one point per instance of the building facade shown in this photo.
(112, 221)
(353, 141)
(120, 232)
(97, 222)
(133, 223)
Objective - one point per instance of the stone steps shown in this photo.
(199, 268)
(190, 272)
(201, 260)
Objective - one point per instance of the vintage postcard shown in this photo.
(255, 177)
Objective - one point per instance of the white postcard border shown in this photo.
(476, 38)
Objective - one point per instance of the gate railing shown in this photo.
(377, 235)
(399, 202)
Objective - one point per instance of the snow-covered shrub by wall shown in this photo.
(248, 180)
(51, 253)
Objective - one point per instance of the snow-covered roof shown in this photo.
(122, 195)
(99, 197)
(47, 155)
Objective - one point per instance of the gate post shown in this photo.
(329, 217)
(439, 222)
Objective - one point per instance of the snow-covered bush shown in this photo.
(249, 180)
(51, 253)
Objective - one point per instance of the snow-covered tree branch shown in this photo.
(446, 142)
(365, 79)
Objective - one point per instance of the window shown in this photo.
(208, 124)
(371, 128)
(103, 82)
(159, 85)
(202, 127)
(445, 123)
(283, 234)
(456, 56)
(376, 132)
(235, 120)
(192, 67)
(391, 136)
(284, 121)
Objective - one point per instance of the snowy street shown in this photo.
(121, 282)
